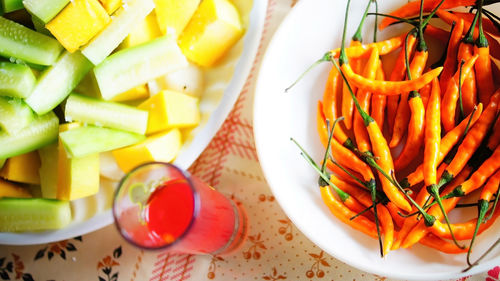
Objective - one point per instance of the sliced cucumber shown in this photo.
(33, 214)
(48, 170)
(11, 5)
(123, 22)
(28, 45)
(137, 65)
(57, 82)
(90, 139)
(16, 80)
(45, 10)
(16, 115)
(42, 131)
(106, 114)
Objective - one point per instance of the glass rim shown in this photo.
(196, 205)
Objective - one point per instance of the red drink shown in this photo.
(159, 206)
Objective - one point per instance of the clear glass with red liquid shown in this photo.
(159, 206)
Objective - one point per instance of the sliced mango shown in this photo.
(146, 31)
(214, 28)
(77, 177)
(8, 189)
(111, 5)
(174, 15)
(169, 109)
(78, 22)
(22, 168)
(136, 93)
(162, 147)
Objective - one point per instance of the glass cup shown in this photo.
(159, 206)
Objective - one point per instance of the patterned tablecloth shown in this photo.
(275, 249)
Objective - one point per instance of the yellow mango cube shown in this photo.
(169, 109)
(111, 5)
(136, 93)
(22, 168)
(77, 177)
(174, 15)
(8, 189)
(162, 147)
(214, 28)
(78, 22)
(146, 31)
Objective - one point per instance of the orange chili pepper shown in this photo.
(379, 102)
(484, 74)
(389, 87)
(343, 213)
(432, 241)
(347, 103)
(383, 214)
(343, 175)
(412, 8)
(331, 95)
(403, 113)
(437, 33)
(489, 26)
(394, 210)
(432, 135)
(384, 47)
(451, 95)
(415, 132)
(472, 140)
(465, 51)
(398, 73)
(450, 64)
(370, 71)
(342, 154)
(447, 142)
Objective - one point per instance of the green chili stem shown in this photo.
(482, 209)
(483, 255)
(343, 57)
(358, 34)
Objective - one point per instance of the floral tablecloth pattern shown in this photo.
(274, 250)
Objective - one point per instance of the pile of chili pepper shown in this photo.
(402, 152)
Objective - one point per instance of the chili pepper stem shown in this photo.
(362, 212)
(357, 35)
(349, 173)
(482, 209)
(434, 191)
(483, 255)
(326, 57)
(493, 208)
(330, 135)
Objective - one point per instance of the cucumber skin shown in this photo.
(12, 5)
(45, 10)
(134, 66)
(106, 114)
(28, 45)
(86, 140)
(18, 115)
(33, 214)
(57, 82)
(117, 30)
(42, 131)
(16, 80)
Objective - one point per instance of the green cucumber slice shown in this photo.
(41, 131)
(28, 45)
(16, 80)
(106, 114)
(40, 26)
(33, 214)
(49, 157)
(45, 10)
(137, 65)
(90, 139)
(11, 5)
(57, 82)
(16, 115)
(124, 20)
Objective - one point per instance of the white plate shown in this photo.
(222, 91)
(311, 29)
